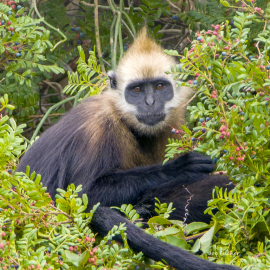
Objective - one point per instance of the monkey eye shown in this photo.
(137, 89)
(159, 86)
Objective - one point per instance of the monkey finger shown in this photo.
(193, 158)
(200, 168)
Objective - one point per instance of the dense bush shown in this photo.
(25, 58)
(231, 72)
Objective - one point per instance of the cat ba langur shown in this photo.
(113, 145)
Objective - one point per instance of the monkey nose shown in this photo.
(150, 101)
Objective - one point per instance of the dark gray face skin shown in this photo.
(149, 96)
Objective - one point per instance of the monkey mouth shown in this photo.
(151, 119)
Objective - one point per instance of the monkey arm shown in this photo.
(126, 186)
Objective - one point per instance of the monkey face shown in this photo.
(149, 96)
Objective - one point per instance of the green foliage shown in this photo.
(231, 124)
(151, 10)
(23, 48)
(34, 232)
(216, 12)
(163, 210)
(88, 80)
(130, 213)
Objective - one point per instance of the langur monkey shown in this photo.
(113, 144)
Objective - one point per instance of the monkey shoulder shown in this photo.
(81, 145)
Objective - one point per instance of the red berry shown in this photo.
(70, 248)
(8, 23)
(13, 6)
(217, 55)
(261, 67)
(237, 149)
(220, 172)
(212, 96)
(1, 246)
(231, 158)
(3, 234)
(197, 74)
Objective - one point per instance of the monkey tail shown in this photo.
(105, 218)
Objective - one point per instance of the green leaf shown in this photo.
(195, 226)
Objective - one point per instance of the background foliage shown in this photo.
(228, 61)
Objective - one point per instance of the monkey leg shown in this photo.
(191, 199)
(105, 218)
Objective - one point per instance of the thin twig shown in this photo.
(120, 30)
(112, 43)
(169, 38)
(181, 40)
(130, 23)
(41, 115)
(194, 236)
(107, 63)
(123, 22)
(105, 7)
(97, 38)
(47, 114)
(169, 31)
(186, 207)
(172, 5)
(191, 99)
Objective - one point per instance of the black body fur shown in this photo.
(91, 145)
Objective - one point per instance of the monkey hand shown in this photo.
(191, 167)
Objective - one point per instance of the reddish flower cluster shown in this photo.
(224, 132)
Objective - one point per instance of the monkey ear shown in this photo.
(112, 76)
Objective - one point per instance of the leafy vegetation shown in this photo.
(231, 124)
(228, 62)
